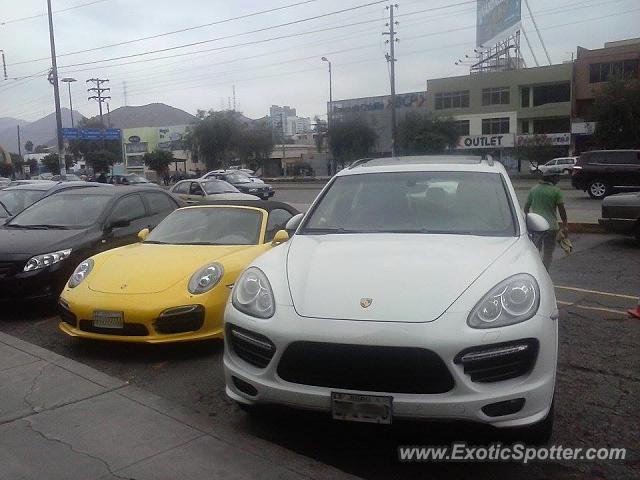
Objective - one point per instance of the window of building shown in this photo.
(551, 125)
(495, 96)
(555, 93)
(462, 127)
(525, 127)
(602, 72)
(524, 94)
(452, 100)
(494, 126)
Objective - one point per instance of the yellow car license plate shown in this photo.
(107, 319)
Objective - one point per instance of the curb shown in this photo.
(265, 451)
(585, 228)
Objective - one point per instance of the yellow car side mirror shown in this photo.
(281, 236)
(142, 234)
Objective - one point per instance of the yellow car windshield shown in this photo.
(209, 226)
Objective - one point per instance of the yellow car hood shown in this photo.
(146, 268)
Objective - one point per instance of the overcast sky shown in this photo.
(284, 71)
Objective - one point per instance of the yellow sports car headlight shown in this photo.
(205, 279)
(80, 273)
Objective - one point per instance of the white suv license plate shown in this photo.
(361, 408)
(105, 319)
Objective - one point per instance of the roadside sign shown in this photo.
(91, 133)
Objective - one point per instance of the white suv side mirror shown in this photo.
(536, 223)
(294, 222)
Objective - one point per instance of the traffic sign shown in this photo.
(91, 133)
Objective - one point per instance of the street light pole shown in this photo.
(56, 95)
(330, 107)
(69, 81)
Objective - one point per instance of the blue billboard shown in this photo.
(496, 19)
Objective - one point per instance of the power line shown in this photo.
(187, 29)
(201, 42)
(31, 17)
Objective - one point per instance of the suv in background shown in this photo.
(603, 172)
(560, 166)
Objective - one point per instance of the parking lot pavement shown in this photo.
(580, 207)
(597, 394)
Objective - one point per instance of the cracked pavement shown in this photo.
(597, 394)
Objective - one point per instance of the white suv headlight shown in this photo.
(205, 279)
(252, 294)
(80, 273)
(46, 259)
(514, 300)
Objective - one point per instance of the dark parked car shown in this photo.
(17, 198)
(243, 183)
(41, 246)
(603, 172)
(621, 214)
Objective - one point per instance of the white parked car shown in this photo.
(559, 166)
(400, 296)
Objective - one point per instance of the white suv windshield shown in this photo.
(465, 203)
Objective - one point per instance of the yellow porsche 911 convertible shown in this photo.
(174, 284)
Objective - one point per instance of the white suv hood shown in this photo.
(409, 278)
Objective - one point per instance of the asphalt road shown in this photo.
(597, 400)
(580, 207)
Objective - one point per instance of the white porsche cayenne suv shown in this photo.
(410, 289)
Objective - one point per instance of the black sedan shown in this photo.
(41, 246)
(621, 214)
(243, 183)
(18, 197)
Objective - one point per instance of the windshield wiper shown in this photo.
(42, 226)
(156, 242)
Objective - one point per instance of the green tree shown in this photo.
(319, 133)
(351, 139)
(616, 111)
(82, 148)
(537, 150)
(254, 145)
(423, 134)
(214, 138)
(28, 146)
(51, 162)
(6, 169)
(101, 160)
(158, 161)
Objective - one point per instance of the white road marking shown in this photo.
(597, 292)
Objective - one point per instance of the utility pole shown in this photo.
(391, 58)
(124, 93)
(234, 98)
(56, 95)
(4, 64)
(108, 115)
(100, 98)
(19, 145)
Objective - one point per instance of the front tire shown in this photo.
(598, 189)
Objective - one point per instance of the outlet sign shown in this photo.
(469, 142)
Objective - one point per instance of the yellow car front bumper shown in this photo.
(143, 319)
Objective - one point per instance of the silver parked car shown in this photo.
(201, 189)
